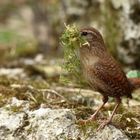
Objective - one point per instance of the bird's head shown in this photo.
(91, 35)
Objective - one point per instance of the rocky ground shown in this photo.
(34, 103)
(49, 124)
(34, 108)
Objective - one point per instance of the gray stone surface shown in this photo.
(48, 124)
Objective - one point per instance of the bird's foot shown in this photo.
(92, 117)
(102, 125)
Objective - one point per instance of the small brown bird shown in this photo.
(103, 72)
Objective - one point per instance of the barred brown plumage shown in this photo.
(103, 72)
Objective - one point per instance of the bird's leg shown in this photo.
(118, 100)
(105, 99)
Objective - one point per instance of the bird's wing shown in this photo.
(112, 75)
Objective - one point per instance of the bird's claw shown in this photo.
(102, 125)
(92, 118)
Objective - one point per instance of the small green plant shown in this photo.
(71, 41)
(133, 74)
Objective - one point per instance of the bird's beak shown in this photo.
(85, 44)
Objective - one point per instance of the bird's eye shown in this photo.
(84, 33)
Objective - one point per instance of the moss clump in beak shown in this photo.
(71, 40)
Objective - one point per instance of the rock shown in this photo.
(9, 123)
(74, 7)
(129, 21)
(109, 133)
(49, 124)
(55, 124)
(12, 72)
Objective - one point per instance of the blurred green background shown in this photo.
(31, 54)
(31, 27)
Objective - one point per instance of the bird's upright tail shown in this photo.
(135, 82)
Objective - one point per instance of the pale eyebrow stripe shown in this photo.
(91, 32)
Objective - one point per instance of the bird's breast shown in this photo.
(88, 67)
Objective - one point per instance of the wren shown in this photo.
(103, 73)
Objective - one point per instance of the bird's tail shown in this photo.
(135, 82)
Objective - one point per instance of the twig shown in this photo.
(75, 90)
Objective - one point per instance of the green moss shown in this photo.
(6, 93)
(129, 121)
(84, 113)
(15, 108)
(25, 49)
(41, 84)
(5, 81)
(71, 41)
(87, 128)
